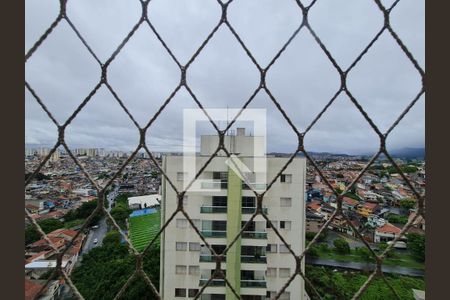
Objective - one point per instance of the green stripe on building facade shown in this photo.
(234, 210)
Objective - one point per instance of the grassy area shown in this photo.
(343, 285)
(73, 223)
(399, 259)
(143, 229)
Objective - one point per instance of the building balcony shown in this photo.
(223, 210)
(254, 283)
(244, 283)
(251, 210)
(213, 209)
(214, 282)
(214, 233)
(254, 235)
(214, 185)
(209, 258)
(253, 259)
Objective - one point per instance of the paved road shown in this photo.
(364, 266)
(102, 229)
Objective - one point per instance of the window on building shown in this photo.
(219, 201)
(222, 176)
(248, 202)
(197, 223)
(274, 223)
(194, 270)
(179, 269)
(270, 294)
(192, 292)
(285, 225)
(181, 176)
(283, 248)
(180, 292)
(194, 246)
(182, 223)
(285, 272)
(271, 272)
(285, 202)
(271, 248)
(181, 246)
(286, 178)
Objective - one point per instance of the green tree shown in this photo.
(48, 225)
(407, 203)
(341, 246)
(416, 244)
(105, 269)
(120, 214)
(112, 239)
(313, 251)
(390, 253)
(83, 212)
(365, 253)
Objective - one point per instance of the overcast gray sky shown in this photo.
(303, 80)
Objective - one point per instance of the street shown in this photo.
(100, 232)
(364, 266)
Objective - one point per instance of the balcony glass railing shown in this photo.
(254, 235)
(256, 186)
(213, 209)
(214, 233)
(223, 209)
(253, 283)
(253, 259)
(214, 282)
(214, 185)
(251, 210)
(209, 258)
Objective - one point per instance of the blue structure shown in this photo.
(141, 212)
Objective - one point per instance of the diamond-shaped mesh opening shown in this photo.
(136, 266)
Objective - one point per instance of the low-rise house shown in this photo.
(386, 233)
(375, 221)
(339, 223)
(315, 206)
(42, 251)
(418, 226)
(52, 291)
(349, 203)
(367, 209)
(356, 224)
(314, 222)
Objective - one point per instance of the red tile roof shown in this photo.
(37, 255)
(388, 228)
(31, 289)
(370, 205)
(350, 201)
(62, 231)
(315, 205)
(57, 241)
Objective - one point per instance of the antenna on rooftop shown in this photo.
(227, 121)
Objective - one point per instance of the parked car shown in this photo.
(95, 227)
(95, 241)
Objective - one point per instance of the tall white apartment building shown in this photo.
(258, 264)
